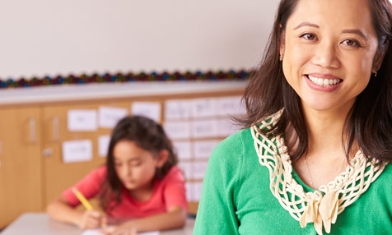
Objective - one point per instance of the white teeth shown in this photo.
(323, 82)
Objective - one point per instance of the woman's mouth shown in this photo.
(324, 81)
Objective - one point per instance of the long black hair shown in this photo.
(370, 119)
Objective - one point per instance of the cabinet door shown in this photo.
(59, 175)
(20, 163)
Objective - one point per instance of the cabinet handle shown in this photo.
(56, 130)
(33, 134)
(47, 152)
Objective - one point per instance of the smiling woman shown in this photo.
(315, 151)
(328, 55)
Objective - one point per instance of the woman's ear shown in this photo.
(163, 155)
(281, 45)
(379, 57)
(281, 51)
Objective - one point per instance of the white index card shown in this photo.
(109, 116)
(189, 191)
(204, 128)
(203, 107)
(195, 188)
(183, 149)
(231, 105)
(103, 145)
(203, 148)
(77, 150)
(148, 109)
(82, 120)
(177, 109)
(199, 169)
(177, 130)
(186, 168)
(226, 127)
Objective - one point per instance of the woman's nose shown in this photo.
(326, 55)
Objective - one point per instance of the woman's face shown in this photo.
(135, 166)
(328, 51)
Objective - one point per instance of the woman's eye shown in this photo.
(351, 43)
(308, 36)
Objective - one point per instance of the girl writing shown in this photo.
(139, 185)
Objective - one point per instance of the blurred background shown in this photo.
(46, 37)
(43, 41)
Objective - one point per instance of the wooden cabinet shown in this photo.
(20, 162)
(60, 175)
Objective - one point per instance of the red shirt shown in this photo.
(167, 192)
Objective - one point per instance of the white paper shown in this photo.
(204, 128)
(149, 233)
(203, 148)
(177, 129)
(77, 151)
(203, 107)
(82, 120)
(183, 149)
(148, 109)
(226, 127)
(103, 145)
(96, 232)
(199, 169)
(91, 232)
(186, 168)
(231, 105)
(177, 109)
(109, 116)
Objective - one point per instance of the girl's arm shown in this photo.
(174, 218)
(61, 211)
(64, 208)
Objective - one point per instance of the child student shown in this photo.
(140, 183)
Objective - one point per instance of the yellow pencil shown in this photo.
(85, 203)
(82, 199)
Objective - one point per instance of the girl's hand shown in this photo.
(91, 219)
(119, 230)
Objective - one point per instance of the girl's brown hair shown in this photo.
(148, 135)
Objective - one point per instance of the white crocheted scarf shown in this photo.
(322, 206)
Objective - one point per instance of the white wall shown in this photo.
(51, 37)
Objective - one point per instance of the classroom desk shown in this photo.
(41, 224)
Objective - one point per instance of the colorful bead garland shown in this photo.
(128, 77)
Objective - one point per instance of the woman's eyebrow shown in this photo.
(303, 24)
(355, 31)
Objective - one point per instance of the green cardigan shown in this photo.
(236, 198)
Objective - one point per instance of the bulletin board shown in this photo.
(195, 122)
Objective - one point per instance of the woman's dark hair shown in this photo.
(370, 119)
(146, 134)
